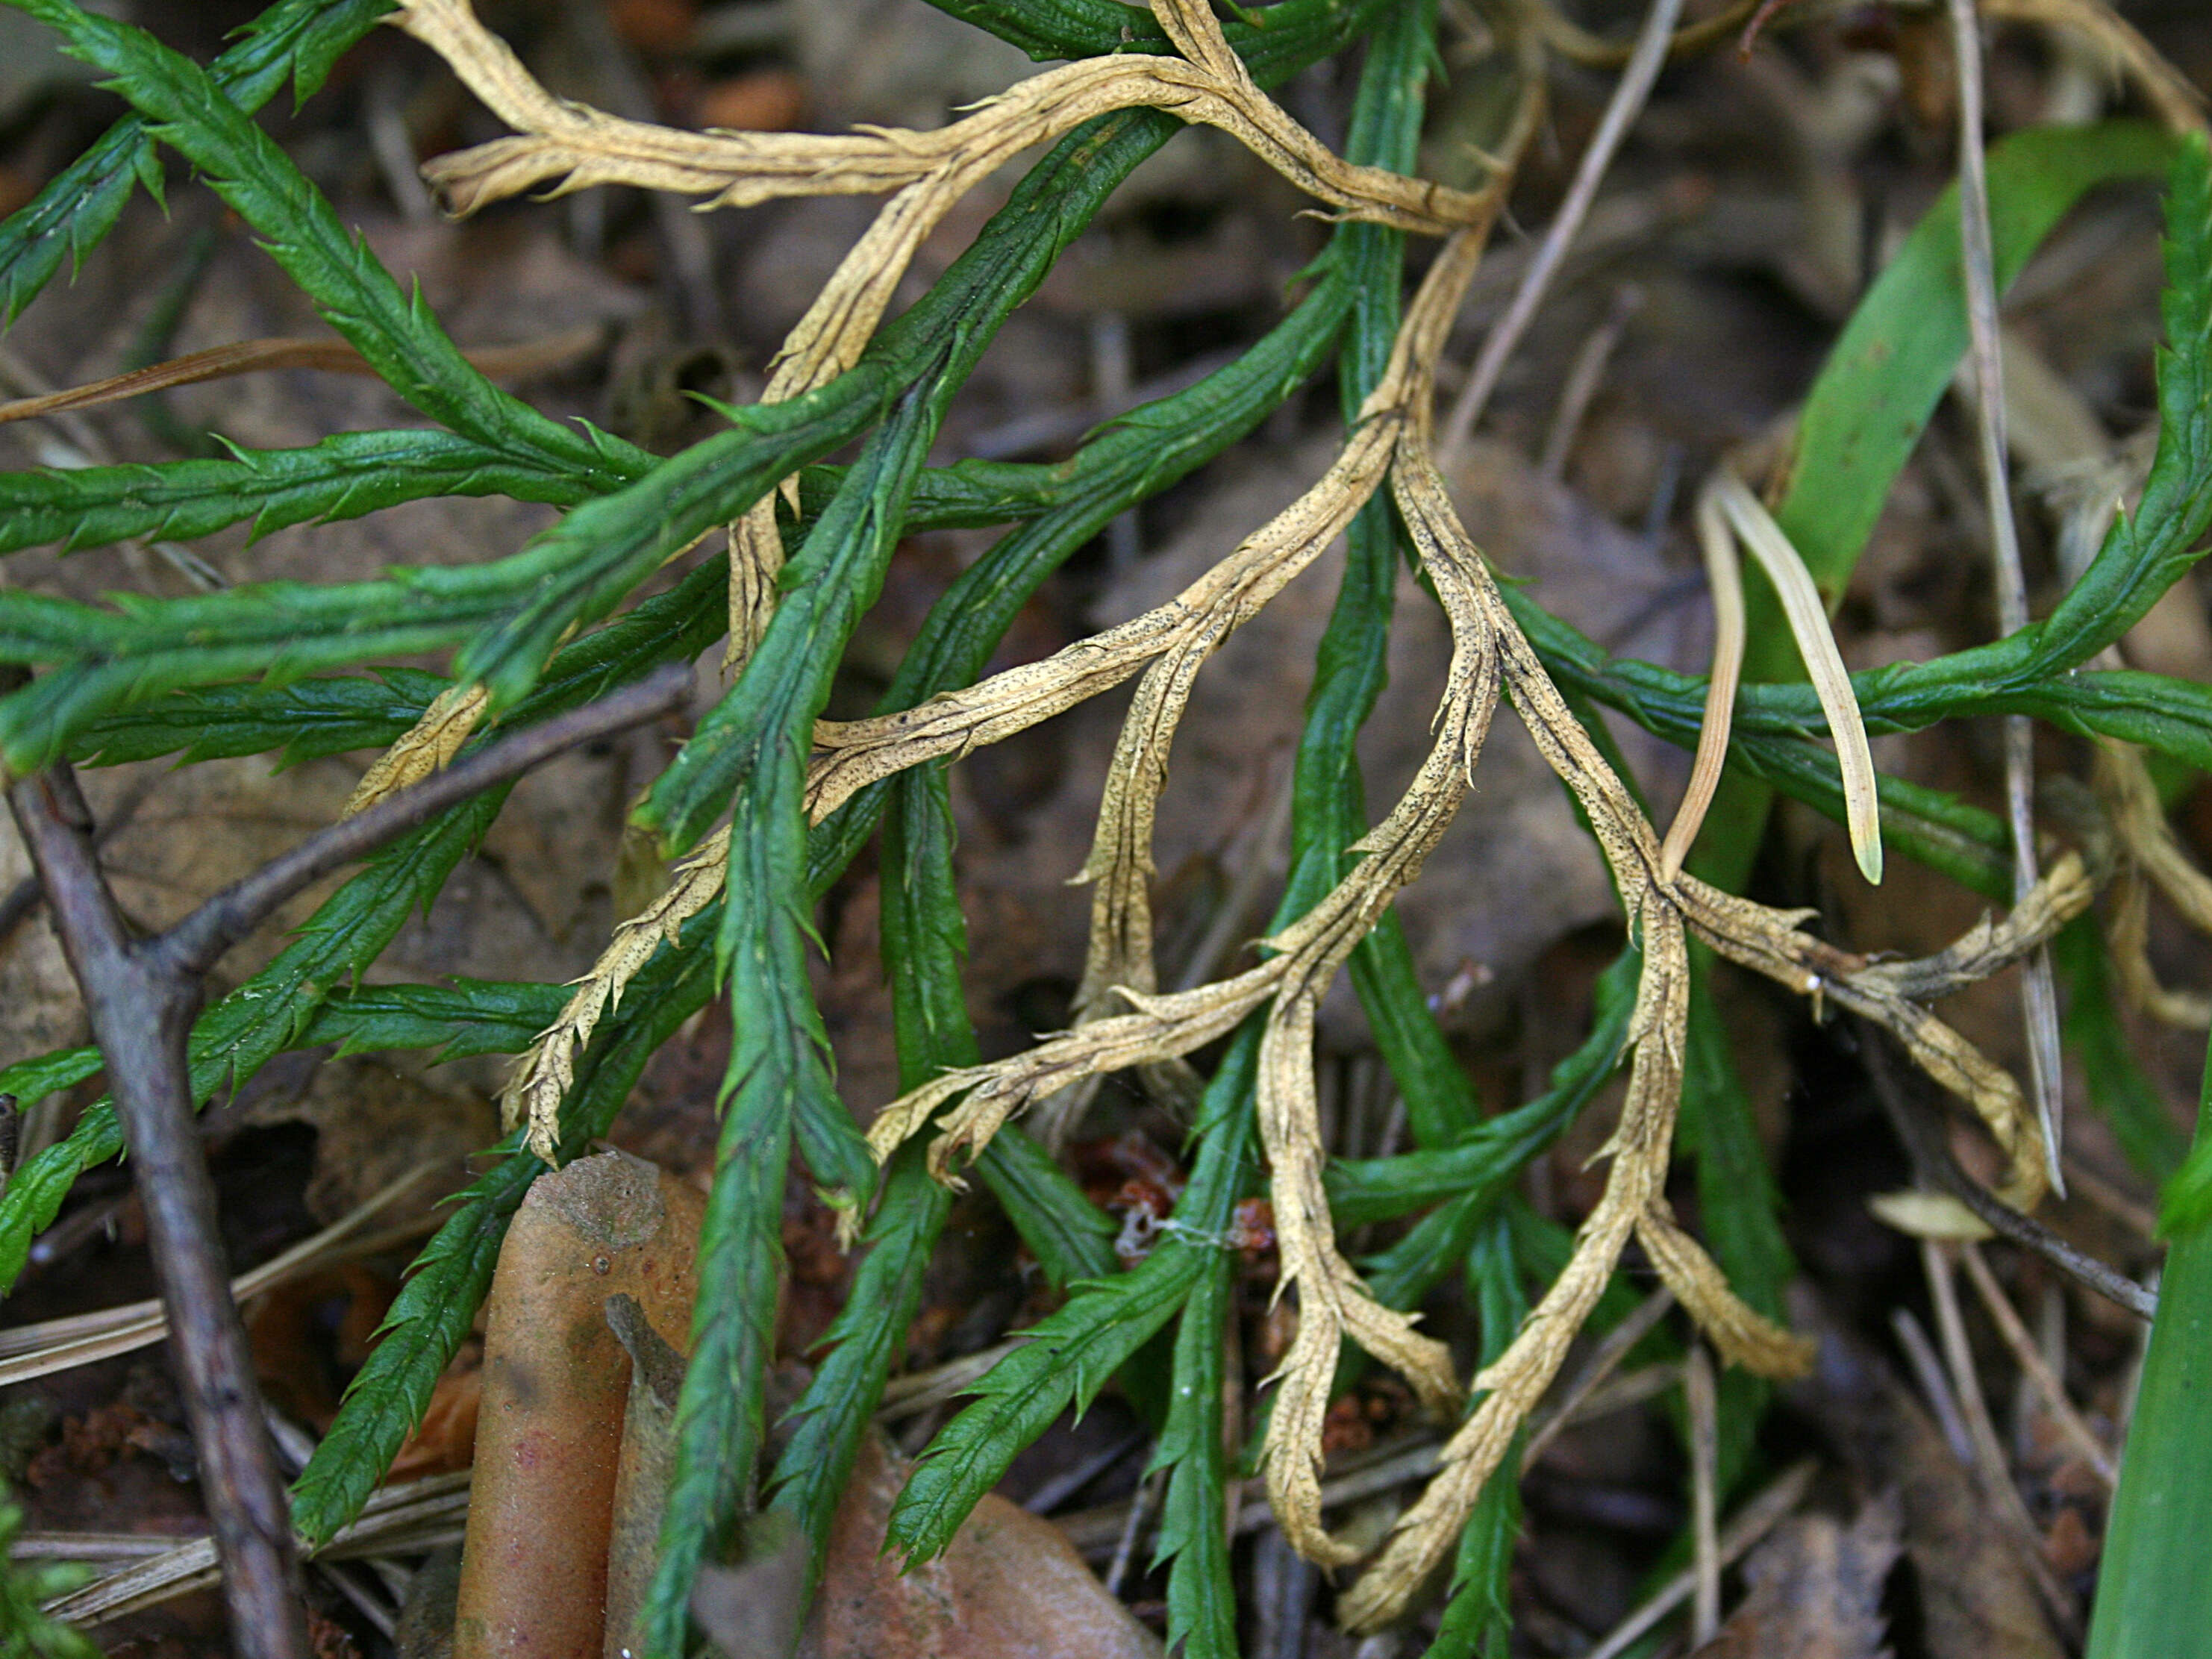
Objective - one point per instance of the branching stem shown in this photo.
(140, 996)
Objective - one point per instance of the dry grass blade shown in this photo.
(409, 1519)
(259, 356)
(1697, 1393)
(1724, 577)
(2033, 1365)
(1990, 1464)
(1824, 663)
(59, 1345)
(2039, 992)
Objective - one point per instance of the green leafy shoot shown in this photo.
(26, 1631)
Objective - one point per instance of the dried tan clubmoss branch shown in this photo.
(848, 756)
(428, 746)
(1763, 940)
(575, 146)
(1120, 860)
(1991, 944)
(2150, 857)
(1744, 1336)
(542, 1072)
(2127, 932)
(1332, 1303)
(571, 146)
(1511, 1386)
(1160, 1028)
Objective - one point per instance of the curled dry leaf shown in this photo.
(1816, 1590)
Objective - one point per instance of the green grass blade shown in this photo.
(1896, 356)
(1867, 409)
(2154, 1596)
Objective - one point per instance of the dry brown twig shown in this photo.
(1129, 1024)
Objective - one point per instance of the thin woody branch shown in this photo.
(140, 996)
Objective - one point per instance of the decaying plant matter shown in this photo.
(572, 147)
(554, 628)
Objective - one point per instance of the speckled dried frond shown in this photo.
(542, 1072)
(428, 746)
(1765, 941)
(850, 755)
(1121, 865)
(2149, 858)
(1510, 1387)
(1123, 1022)
(568, 146)
(1159, 1028)
(1743, 1335)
